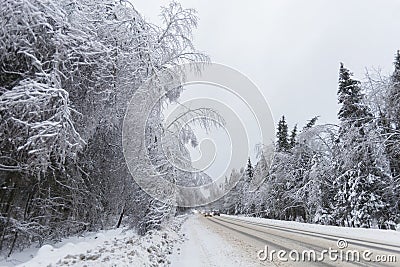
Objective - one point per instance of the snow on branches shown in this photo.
(36, 123)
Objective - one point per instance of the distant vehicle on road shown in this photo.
(216, 213)
(208, 213)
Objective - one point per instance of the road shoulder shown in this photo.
(207, 245)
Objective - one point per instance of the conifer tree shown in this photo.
(391, 129)
(393, 125)
(394, 93)
(282, 135)
(293, 135)
(310, 123)
(350, 97)
(249, 169)
(359, 181)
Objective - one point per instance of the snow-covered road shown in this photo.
(219, 241)
(235, 241)
(209, 245)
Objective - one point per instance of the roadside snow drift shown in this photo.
(119, 247)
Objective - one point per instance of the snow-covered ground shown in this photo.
(119, 247)
(187, 241)
(389, 237)
(207, 245)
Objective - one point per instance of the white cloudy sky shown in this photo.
(291, 49)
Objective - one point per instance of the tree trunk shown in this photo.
(13, 244)
(120, 218)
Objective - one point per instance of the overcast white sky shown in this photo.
(291, 49)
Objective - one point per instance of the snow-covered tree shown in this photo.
(293, 135)
(360, 176)
(379, 88)
(67, 70)
(282, 135)
(341, 175)
(249, 169)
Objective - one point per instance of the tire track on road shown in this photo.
(362, 243)
(224, 221)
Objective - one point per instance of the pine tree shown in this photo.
(311, 123)
(391, 130)
(282, 135)
(249, 169)
(350, 97)
(358, 183)
(293, 135)
(393, 125)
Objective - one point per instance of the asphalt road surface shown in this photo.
(261, 244)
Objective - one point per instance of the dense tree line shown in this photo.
(346, 174)
(67, 70)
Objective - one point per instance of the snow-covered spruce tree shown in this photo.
(282, 135)
(379, 92)
(249, 169)
(311, 123)
(247, 191)
(393, 100)
(393, 118)
(392, 143)
(360, 178)
(293, 135)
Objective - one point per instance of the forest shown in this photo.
(67, 70)
(344, 175)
